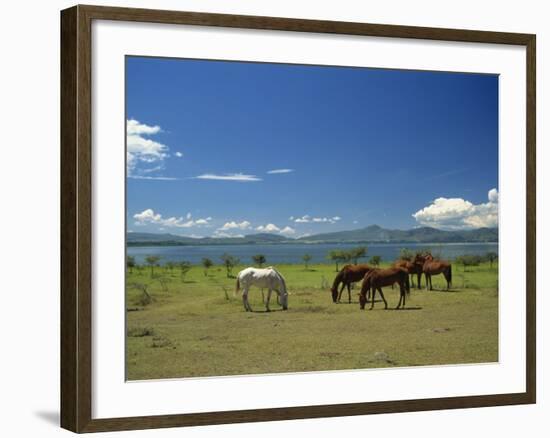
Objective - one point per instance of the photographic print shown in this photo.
(289, 218)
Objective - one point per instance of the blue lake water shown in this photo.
(293, 252)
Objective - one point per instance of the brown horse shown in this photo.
(347, 275)
(435, 267)
(376, 279)
(414, 267)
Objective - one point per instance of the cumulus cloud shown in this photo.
(133, 127)
(460, 214)
(145, 156)
(148, 217)
(288, 231)
(178, 154)
(244, 225)
(269, 228)
(219, 233)
(140, 149)
(278, 171)
(306, 219)
(239, 177)
(272, 228)
(493, 195)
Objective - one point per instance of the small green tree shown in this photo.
(152, 261)
(130, 263)
(207, 264)
(229, 262)
(357, 253)
(170, 266)
(337, 256)
(306, 258)
(375, 260)
(468, 260)
(492, 257)
(259, 259)
(184, 266)
(406, 254)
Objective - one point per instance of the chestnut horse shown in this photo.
(435, 267)
(413, 267)
(376, 279)
(347, 275)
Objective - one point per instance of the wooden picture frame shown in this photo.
(76, 217)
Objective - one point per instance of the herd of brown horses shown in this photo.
(374, 279)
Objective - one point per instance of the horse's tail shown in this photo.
(450, 273)
(237, 286)
(407, 284)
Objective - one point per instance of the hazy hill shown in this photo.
(370, 234)
(150, 239)
(375, 233)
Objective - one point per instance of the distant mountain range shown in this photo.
(370, 234)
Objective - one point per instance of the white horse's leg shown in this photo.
(268, 298)
(245, 300)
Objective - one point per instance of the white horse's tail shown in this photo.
(237, 287)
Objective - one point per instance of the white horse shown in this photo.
(269, 278)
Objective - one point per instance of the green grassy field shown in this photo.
(197, 327)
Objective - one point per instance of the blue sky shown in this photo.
(233, 148)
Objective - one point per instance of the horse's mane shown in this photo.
(280, 277)
(337, 280)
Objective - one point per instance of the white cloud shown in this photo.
(279, 171)
(178, 154)
(141, 148)
(269, 228)
(493, 195)
(218, 233)
(306, 219)
(160, 178)
(148, 216)
(133, 127)
(288, 230)
(244, 225)
(272, 228)
(459, 214)
(240, 177)
(141, 151)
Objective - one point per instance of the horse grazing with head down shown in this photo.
(348, 274)
(434, 267)
(376, 279)
(268, 278)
